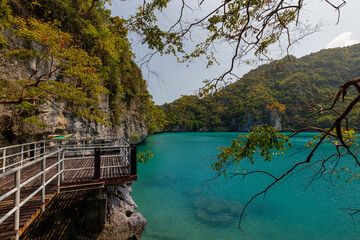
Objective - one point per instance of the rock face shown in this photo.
(13, 129)
(123, 222)
(56, 118)
(131, 124)
(271, 118)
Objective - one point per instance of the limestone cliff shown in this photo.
(271, 117)
(57, 119)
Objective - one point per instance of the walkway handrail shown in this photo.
(119, 151)
(18, 185)
(11, 171)
(12, 156)
(43, 150)
(67, 140)
(92, 147)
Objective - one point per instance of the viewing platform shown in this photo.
(31, 174)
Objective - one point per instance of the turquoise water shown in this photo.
(175, 195)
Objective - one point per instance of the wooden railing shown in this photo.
(14, 163)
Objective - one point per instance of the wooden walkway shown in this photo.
(74, 169)
(31, 207)
(107, 175)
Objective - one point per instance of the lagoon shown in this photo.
(176, 195)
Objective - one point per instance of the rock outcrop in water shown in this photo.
(123, 222)
(216, 212)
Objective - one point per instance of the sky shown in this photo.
(172, 80)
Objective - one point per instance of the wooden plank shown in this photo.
(86, 186)
(26, 212)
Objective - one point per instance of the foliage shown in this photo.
(89, 54)
(71, 74)
(5, 15)
(349, 137)
(275, 107)
(155, 118)
(144, 156)
(262, 140)
(134, 138)
(34, 121)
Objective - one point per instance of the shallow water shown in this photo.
(175, 195)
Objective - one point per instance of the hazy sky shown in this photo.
(175, 79)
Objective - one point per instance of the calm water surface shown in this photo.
(175, 195)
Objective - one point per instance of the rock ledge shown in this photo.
(123, 222)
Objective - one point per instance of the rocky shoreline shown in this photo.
(123, 221)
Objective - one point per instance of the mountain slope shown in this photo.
(300, 86)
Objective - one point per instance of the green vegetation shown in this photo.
(293, 90)
(89, 57)
(263, 140)
(143, 156)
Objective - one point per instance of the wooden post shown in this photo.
(97, 163)
(83, 144)
(42, 148)
(133, 160)
(32, 152)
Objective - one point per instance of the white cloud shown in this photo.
(342, 40)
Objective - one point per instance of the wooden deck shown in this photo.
(30, 210)
(76, 171)
(107, 175)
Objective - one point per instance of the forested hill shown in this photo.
(65, 64)
(282, 90)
